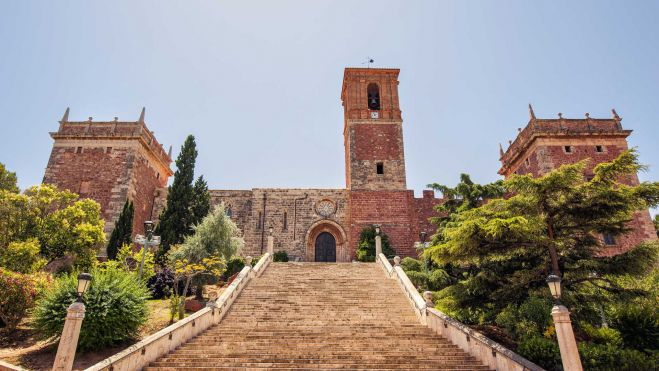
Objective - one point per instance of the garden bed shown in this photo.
(22, 347)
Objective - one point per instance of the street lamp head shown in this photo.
(148, 226)
(83, 284)
(377, 229)
(554, 283)
(423, 236)
(270, 230)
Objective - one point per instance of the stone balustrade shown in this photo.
(4, 366)
(162, 342)
(489, 352)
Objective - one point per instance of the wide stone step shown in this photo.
(330, 365)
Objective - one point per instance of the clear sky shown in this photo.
(258, 82)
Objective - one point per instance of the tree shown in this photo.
(215, 240)
(8, 180)
(464, 196)
(63, 224)
(201, 203)
(366, 250)
(548, 224)
(177, 219)
(123, 230)
(656, 223)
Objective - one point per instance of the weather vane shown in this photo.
(368, 62)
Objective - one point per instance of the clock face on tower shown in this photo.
(375, 114)
(325, 208)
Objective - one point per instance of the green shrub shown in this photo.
(530, 319)
(115, 308)
(22, 256)
(609, 357)
(235, 265)
(411, 265)
(541, 351)
(17, 294)
(366, 250)
(280, 256)
(602, 335)
(638, 324)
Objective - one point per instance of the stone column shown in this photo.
(271, 244)
(566, 341)
(378, 246)
(68, 342)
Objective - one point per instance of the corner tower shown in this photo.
(110, 162)
(373, 129)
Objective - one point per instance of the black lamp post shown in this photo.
(83, 284)
(270, 230)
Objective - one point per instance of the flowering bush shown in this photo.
(17, 295)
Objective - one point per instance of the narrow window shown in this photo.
(229, 212)
(527, 162)
(373, 96)
(258, 222)
(79, 150)
(158, 176)
(108, 150)
(599, 149)
(379, 168)
(609, 240)
(285, 220)
(568, 149)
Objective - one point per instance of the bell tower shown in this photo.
(373, 130)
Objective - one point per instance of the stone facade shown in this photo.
(114, 161)
(546, 144)
(110, 162)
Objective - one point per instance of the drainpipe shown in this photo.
(295, 213)
(265, 198)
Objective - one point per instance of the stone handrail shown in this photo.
(489, 352)
(4, 366)
(162, 342)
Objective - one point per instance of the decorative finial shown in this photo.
(90, 119)
(510, 142)
(65, 118)
(500, 150)
(169, 153)
(587, 115)
(615, 114)
(141, 116)
(560, 115)
(519, 130)
(531, 113)
(116, 118)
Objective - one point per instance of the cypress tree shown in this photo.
(123, 230)
(177, 219)
(201, 204)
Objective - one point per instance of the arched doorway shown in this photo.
(325, 247)
(337, 238)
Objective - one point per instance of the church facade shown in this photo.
(112, 162)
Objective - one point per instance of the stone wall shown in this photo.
(293, 215)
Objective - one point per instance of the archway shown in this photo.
(321, 229)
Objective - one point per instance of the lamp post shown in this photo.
(66, 350)
(564, 333)
(378, 241)
(271, 240)
(146, 242)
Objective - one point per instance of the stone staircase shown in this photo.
(319, 316)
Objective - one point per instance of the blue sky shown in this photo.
(258, 82)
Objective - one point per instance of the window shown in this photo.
(84, 187)
(285, 220)
(158, 176)
(379, 168)
(599, 149)
(609, 240)
(373, 96)
(527, 162)
(259, 221)
(228, 211)
(568, 149)
(79, 150)
(108, 150)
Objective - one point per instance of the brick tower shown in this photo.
(546, 144)
(110, 162)
(374, 156)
